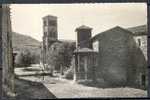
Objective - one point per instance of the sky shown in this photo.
(27, 18)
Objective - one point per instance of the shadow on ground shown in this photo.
(27, 90)
(105, 85)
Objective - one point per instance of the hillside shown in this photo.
(20, 41)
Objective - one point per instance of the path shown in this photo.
(65, 89)
(62, 88)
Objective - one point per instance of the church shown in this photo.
(115, 57)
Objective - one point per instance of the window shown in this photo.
(96, 46)
(143, 79)
(45, 33)
(139, 42)
(44, 23)
(54, 48)
(52, 23)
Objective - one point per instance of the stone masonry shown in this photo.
(8, 70)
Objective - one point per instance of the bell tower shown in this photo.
(50, 29)
(50, 34)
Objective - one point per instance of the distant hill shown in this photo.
(20, 41)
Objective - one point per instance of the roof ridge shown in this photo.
(110, 30)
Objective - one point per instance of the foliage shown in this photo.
(69, 74)
(26, 58)
(70, 71)
(35, 58)
(60, 55)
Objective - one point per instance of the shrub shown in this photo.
(25, 58)
(35, 58)
(60, 55)
(69, 73)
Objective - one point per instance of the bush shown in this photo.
(60, 55)
(69, 73)
(35, 58)
(25, 59)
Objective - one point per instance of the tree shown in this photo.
(60, 55)
(19, 59)
(25, 58)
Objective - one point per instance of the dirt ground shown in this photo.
(27, 90)
(62, 88)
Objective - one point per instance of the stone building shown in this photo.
(50, 36)
(115, 57)
(140, 36)
(121, 58)
(84, 56)
(7, 57)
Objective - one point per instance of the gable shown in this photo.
(112, 32)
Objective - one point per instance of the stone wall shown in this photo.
(119, 60)
(143, 46)
(8, 71)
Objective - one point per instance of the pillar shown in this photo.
(86, 67)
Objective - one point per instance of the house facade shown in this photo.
(120, 54)
(140, 36)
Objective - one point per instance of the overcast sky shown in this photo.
(27, 18)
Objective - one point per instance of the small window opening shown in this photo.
(143, 79)
(45, 23)
(139, 42)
